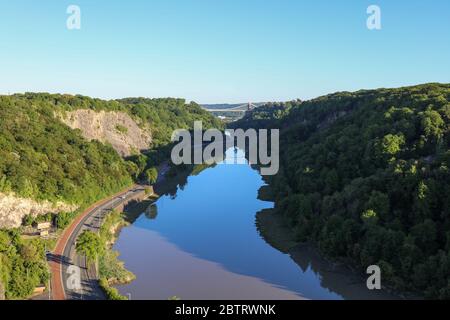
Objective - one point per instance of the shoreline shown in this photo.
(127, 217)
(55, 267)
(276, 233)
(338, 276)
(166, 184)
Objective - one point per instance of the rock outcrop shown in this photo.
(116, 128)
(13, 209)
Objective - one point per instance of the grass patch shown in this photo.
(122, 129)
(110, 292)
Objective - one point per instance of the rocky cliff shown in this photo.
(14, 209)
(116, 128)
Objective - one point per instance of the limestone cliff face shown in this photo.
(116, 128)
(13, 209)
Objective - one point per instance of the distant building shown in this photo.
(38, 290)
(43, 233)
(42, 226)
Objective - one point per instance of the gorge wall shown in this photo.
(13, 209)
(116, 128)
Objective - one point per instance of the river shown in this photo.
(202, 243)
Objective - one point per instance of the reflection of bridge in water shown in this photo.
(231, 154)
(234, 156)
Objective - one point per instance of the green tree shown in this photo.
(5, 242)
(432, 124)
(5, 185)
(392, 144)
(151, 175)
(90, 245)
(369, 216)
(425, 235)
(63, 219)
(379, 202)
(28, 220)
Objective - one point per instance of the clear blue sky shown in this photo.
(222, 50)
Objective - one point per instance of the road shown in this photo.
(65, 255)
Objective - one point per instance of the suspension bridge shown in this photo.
(242, 108)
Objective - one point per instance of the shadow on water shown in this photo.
(335, 277)
(176, 180)
(211, 218)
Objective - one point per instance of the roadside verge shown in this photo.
(57, 286)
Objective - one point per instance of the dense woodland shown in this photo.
(23, 266)
(366, 177)
(43, 159)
